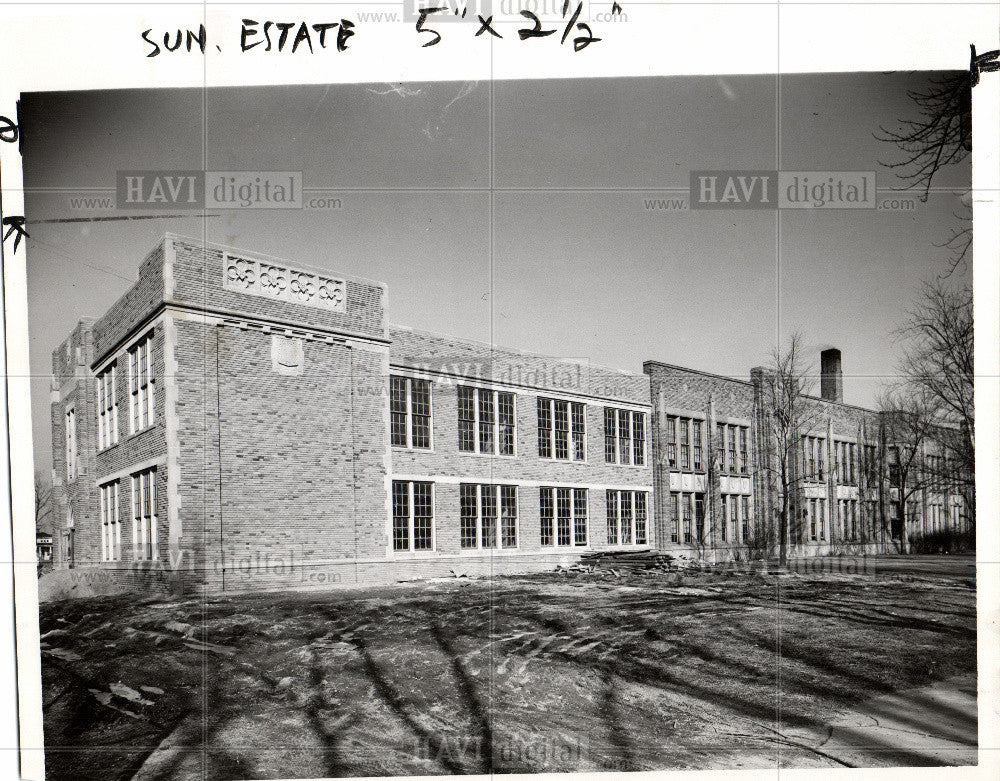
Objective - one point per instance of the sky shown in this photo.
(514, 213)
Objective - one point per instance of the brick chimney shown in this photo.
(831, 375)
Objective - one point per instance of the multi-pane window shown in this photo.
(812, 519)
(745, 516)
(687, 505)
(486, 421)
(673, 506)
(140, 384)
(624, 436)
(813, 463)
(562, 432)
(731, 448)
(412, 516)
(684, 425)
(563, 516)
(410, 412)
(107, 407)
(627, 517)
(871, 465)
(724, 520)
(672, 443)
(696, 436)
(488, 516)
(699, 518)
(852, 457)
(144, 515)
(111, 528)
(846, 454)
(71, 465)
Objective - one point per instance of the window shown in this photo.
(410, 412)
(629, 446)
(486, 421)
(481, 525)
(744, 459)
(639, 438)
(107, 408)
(697, 436)
(724, 520)
(674, 506)
(821, 518)
(852, 457)
(627, 517)
(672, 443)
(813, 464)
(140, 384)
(812, 519)
(720, 445)
(731, 439)
(71, 465)
(144, 515)
(111, 529)
(563, 516)
(561, 423)
(687, 502)
(412, 516)
(746, 517)
(699, 518)
(683, 425)
(871, 465)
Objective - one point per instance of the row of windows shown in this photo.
(488, 516)
(686, 512)
(140, 394)
(845, 461)
(685, 446)
(487, 424)
(143, 507)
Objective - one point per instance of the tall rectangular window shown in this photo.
(71, 465)
(412, 516)
(107, 407)
(562, 432)
(564, 516)
(612, 498)
(731, 442)
(852, 457)
(111, 529)
(466, 419)
(720, 446)
(746, 517)
(674, 507)
(641, 520)
(821, 459)
(812, 519)
(487, 420)
(696, 436)
(545, 428)
(481, 525)
(699, 517)
(688, 505)
(506, 423)
(626, 517)
(610, 441)
(144, 515)
(744, 453)
(639, 438)
(821, 518)
(672, 443)
(140, 384)
(684, 425)
(724, 520)
(624, 436)
(410, 412)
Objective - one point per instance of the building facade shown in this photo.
(236, 421)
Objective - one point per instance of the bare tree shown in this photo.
(909, 427)
(789, 413)
(940, 135)
(43, 502)
(938, 369)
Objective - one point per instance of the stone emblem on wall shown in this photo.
(283, 283)
(287, 355)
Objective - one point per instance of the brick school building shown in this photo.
(236, 421)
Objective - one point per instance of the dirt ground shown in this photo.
(556, 672)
